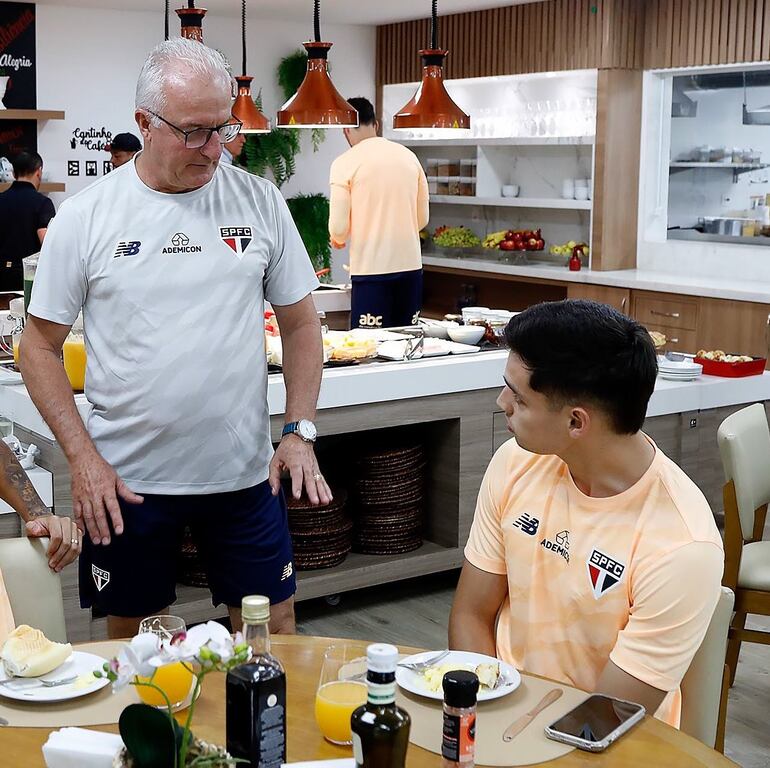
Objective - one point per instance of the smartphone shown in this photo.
(596, 723)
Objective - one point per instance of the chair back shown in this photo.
(744, 443)
(702, 684)
(34, 590)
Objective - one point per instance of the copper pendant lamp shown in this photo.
(317, 103)
(244, 108)
(192, 21)
(431, 106)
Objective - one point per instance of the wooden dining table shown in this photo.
(651, 743)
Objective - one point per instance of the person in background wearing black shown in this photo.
(123, 148)
(24, 218)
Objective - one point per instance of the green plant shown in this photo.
(153, 737)
(276, 151)
(311, 215)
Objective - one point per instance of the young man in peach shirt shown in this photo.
(593, 559)
(379, 204)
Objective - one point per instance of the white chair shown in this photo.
(705, 685)
(34, 590)
(744, 442)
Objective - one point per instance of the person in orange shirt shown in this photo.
(379, 203)
(66, 539)
(592, 559)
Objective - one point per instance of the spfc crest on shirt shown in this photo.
(604, 572)
(237, 238)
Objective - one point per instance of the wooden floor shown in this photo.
(416, 613)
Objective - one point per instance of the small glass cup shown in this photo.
(341, 690)
(175, 680)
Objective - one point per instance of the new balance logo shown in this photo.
(127, 248)
(527, 524)
(288, 569)
(101, 578)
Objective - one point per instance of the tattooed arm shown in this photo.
(17, 490)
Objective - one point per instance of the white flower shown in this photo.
(187, 648)
(135, 659)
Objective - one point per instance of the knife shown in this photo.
(517, 726)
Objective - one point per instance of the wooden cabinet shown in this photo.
(657, 311)
(619, 298)
(739, 327)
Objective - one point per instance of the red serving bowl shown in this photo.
(732, 370)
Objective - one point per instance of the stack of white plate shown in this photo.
(686, 370)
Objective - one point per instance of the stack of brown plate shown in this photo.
(191, 570)
(320, 536)
(390, 491)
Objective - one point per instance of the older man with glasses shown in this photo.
(170, 258)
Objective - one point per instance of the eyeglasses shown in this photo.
(199, 137)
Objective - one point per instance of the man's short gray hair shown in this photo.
(178, 59)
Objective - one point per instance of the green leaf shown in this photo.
(291, 72)
(150, 736)
(311, 215)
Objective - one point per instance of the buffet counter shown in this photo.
(448, 406)
(633, 279)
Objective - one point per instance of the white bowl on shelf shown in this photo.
(467, 334)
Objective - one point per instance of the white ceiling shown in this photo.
(333, 11)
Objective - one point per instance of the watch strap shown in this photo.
(290, 429)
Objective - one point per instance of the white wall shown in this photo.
(88, 62)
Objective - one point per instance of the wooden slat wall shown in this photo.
(681, 33)
(537, 37)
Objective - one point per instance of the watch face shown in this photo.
(307, 430)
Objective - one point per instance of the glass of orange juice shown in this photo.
(74, 354)
(338, 695)
(175, 680)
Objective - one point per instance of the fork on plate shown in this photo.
(421, 666)
(43, 683)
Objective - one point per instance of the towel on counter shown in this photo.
(81, 748)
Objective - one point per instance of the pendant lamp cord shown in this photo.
(317, 20)
(434, 27)
(191, 3)
(243, 35)
(165, 32)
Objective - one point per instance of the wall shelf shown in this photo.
(514, 141)
(46, 186)
(736, 168)
(555, 203)
(31, 114)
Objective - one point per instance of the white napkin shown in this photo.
(81, 748)
(343, 762)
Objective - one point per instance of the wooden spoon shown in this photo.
(517, 726)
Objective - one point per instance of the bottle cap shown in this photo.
(460, 688)
(382, 658)
(255, 608)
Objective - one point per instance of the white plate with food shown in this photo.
(78, 669)
(496, 678)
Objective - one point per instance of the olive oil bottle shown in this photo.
(380, 728)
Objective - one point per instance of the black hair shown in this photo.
(26, 163)
(125, 142)
(365, 110)
(582, 349)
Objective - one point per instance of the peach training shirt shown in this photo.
(633, 578)
(379, 203)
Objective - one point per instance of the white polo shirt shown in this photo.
(172, 288)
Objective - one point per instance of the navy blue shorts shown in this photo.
(385, 301)
(242, 536)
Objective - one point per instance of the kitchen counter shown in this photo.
(382, 382)
(636, 279)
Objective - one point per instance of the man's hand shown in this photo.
(298, 458)
(95, 490)
(66, 539)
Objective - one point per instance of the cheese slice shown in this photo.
(28, 652)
